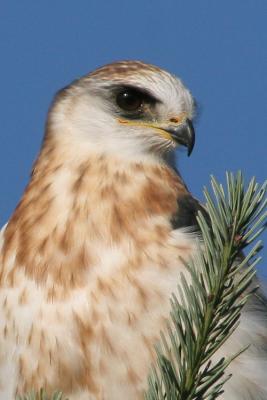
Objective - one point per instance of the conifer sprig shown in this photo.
(209, 305)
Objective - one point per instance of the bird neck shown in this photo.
(78, 201)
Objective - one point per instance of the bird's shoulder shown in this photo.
(187, 211)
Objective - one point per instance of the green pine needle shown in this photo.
(41, 395)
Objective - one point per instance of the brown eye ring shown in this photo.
(130, 100)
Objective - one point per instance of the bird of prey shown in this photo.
(93, 251)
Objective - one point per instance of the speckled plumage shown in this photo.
(93, 250)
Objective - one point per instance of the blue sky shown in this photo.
(218, 48)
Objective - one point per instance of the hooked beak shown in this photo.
(183, 134)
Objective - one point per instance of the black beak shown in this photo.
(183, 134)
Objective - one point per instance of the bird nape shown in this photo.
(94, 249)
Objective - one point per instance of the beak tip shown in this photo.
(191, 137)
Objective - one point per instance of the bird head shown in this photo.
(128, 108)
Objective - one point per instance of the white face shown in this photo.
(146, 111)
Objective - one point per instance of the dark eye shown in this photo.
(130, 100)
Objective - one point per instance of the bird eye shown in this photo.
(129, 100)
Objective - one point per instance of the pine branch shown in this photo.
(210, 304)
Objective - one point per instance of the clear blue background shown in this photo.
(218, 48)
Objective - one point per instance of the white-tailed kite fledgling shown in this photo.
(93, 251)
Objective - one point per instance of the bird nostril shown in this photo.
(174, 120)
